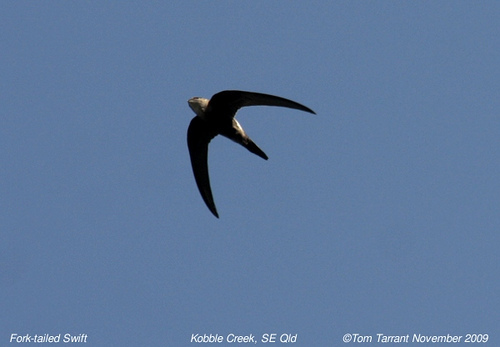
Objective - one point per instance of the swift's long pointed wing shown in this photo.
(198, 138)
(227, 103)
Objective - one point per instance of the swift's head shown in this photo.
(198, 105)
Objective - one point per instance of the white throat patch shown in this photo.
(198, 105)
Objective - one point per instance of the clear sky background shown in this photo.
(380, 214)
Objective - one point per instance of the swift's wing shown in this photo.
(198, 138)
(227, 103)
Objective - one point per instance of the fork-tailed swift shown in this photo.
(216, 117)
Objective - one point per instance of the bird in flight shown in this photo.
(216, 117)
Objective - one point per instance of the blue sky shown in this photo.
(380, 214)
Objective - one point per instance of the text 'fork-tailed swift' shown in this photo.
(216, 117)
